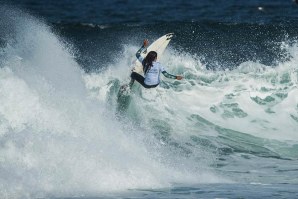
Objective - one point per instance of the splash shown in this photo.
(56, 140)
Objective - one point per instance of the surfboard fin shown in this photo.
(169, 36)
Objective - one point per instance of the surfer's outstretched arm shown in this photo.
(168, 75)
(138, 54)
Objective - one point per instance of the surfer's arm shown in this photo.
(138, 54)
(144, 46)
(168, 75)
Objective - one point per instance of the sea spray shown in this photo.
(56, 141)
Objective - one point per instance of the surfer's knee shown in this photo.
(133, 75)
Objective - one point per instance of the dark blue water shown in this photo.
(56, 154)
(225, 32)
(150, 12)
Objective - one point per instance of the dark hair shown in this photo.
(147, 62)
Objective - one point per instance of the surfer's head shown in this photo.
(147, 62)
(151, 56)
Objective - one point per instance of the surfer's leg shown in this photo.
(139, 78)
(131, 83)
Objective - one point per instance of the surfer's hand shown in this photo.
(146, 42)
(179, 77)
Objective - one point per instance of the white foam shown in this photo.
(55, 140)
(242, 87)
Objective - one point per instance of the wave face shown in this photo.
(58, 141)
(64, 132)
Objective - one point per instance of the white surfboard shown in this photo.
(158, 46)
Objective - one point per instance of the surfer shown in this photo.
(151, 68)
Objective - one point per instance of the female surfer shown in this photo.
(151, 68)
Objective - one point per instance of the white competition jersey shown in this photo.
(152, 77)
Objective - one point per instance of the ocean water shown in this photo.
(227, 130)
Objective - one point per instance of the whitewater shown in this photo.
(64, 132)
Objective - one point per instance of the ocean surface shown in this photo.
(229, 129)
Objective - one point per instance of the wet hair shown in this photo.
(147, 62)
